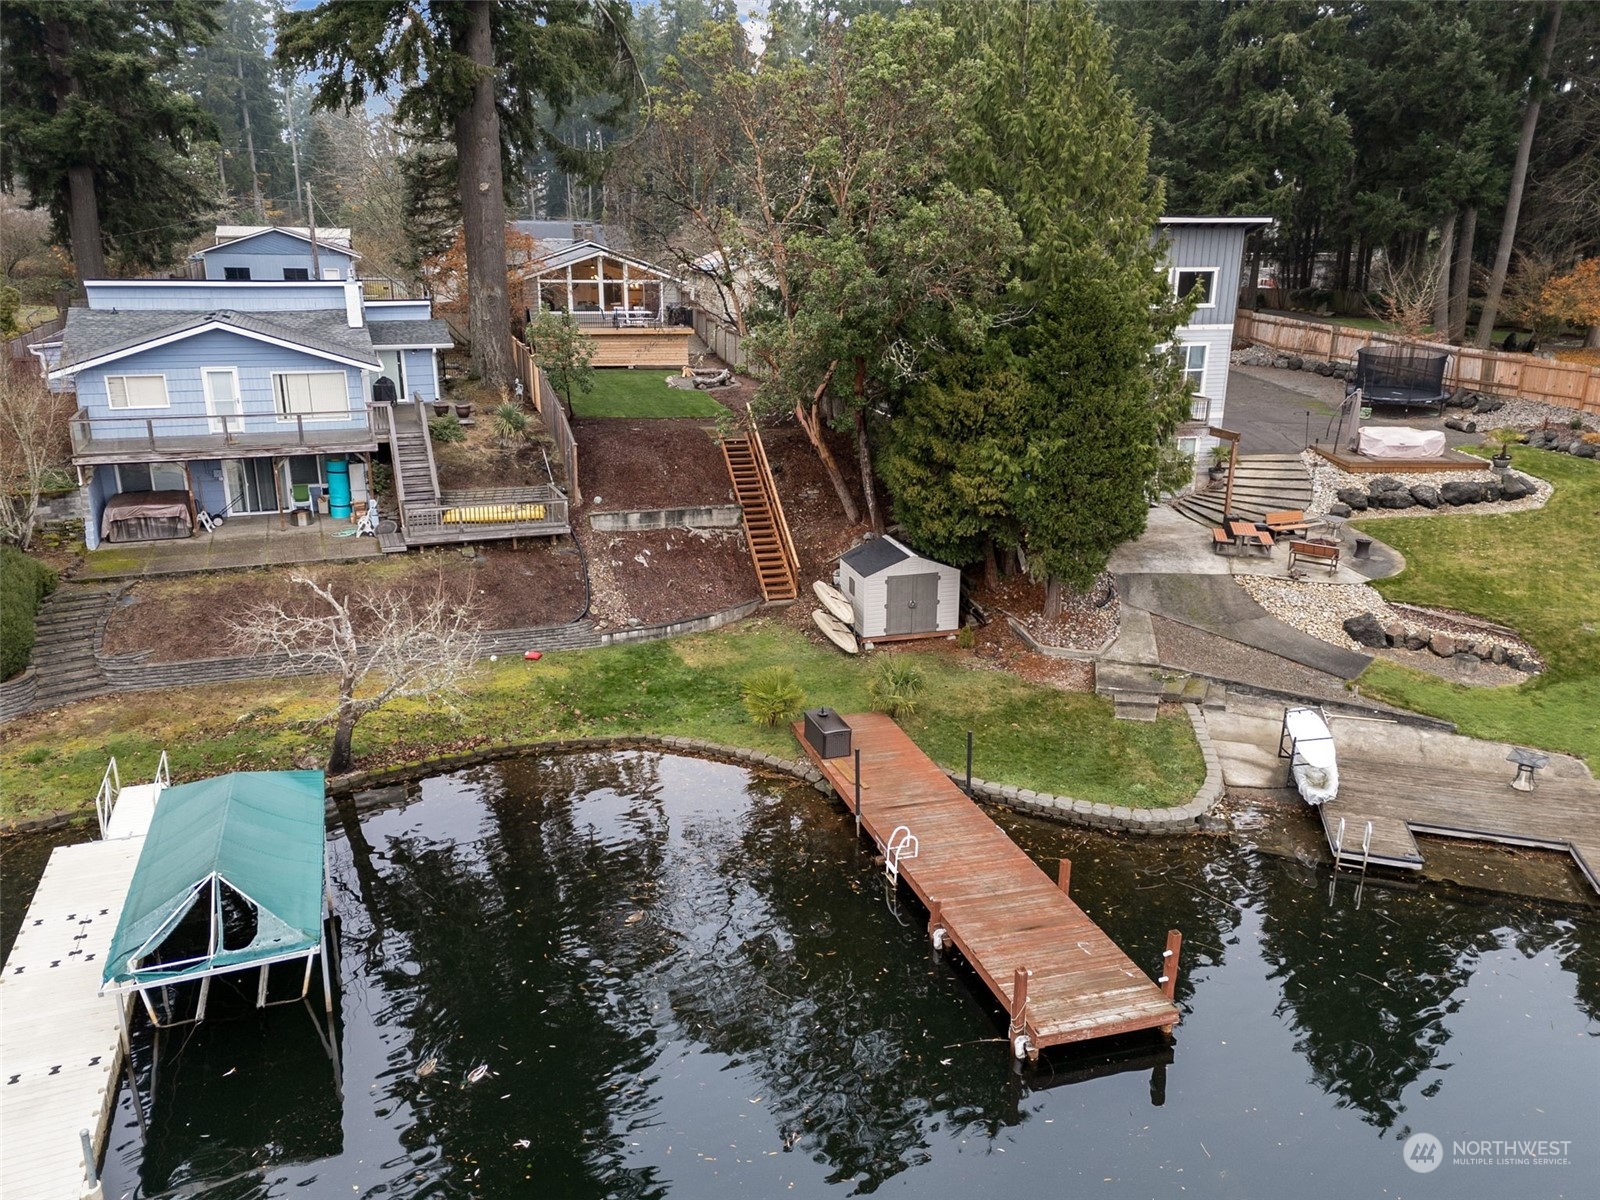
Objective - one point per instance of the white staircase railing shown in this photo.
(106, 798)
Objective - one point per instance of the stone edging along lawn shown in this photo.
(1183, 818)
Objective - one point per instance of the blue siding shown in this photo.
(399, 310)
(182, 363)
(205, 296)
(1216, 246)
(269, 253)
(419, 374)
(102, 484)
(206, 475)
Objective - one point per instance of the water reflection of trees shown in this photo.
(1369, 988)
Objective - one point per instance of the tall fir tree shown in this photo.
(91, 127)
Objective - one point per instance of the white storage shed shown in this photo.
(897, 593)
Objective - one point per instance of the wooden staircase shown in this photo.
(765, 530)
(416, 480)
(1262, 483)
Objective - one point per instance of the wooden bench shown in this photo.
(1291, 521)
(1222, 542)
(1322, 553)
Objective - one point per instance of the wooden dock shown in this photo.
(60, 1043)
(1402, 799)
(1054, 970)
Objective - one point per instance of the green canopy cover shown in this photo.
(258, 832)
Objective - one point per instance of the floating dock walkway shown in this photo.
(1400, 799)
(1054, 970)
(60, 1040)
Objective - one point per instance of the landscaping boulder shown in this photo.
(1415, 639)
(1483, 650)
(1460, 398)
(1384, 483)
(1295, 363)
(1459, 491)
(1398, 498)
(1339, 510)
(1353, 498)
(1488, 404)
(1497, 655)
(1425, 494)
(1443, 645)
(1366, 630)
(1394, 633)
(1323, 368)
(1585, 450)
(1515, 487)
(1543, 439)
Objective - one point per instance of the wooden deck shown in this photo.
(1451, 462)
(60, 1044)
(1004, 914)
(1402, 799)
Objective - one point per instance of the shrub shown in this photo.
(965, 638)
(510, 423)
(446, 429)
(24, 582)
(896, 687)
(773, 695)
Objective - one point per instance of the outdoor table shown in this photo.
(1528, 761)
(1247, 533)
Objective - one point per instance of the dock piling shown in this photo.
(969, 764)
(858, 792)
(936, 929)
(1168, 978)
(1018, 1029)
(1064, 876)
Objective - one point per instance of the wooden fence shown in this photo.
(20, 348)
(722, 341)
(1493, 372)
(536, 386)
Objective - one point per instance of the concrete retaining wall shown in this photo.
(716, 516)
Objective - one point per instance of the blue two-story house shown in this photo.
(236, 398)
(256, 253)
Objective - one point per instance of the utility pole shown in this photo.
(311, 228)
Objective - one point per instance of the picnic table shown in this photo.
(1249, 535)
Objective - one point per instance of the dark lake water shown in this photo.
(683, 980)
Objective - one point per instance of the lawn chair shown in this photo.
(300, 497)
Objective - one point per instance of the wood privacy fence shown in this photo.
(20, 348)
(536, 386)
(723, 342)
(1493, 372)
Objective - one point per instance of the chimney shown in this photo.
(352, 304)
(582, 233)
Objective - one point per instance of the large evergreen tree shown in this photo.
(92, 129)
(490, 77)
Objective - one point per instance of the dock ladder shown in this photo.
(902, 844)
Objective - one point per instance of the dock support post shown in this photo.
(1064, 876)
(936, 930)
(1017, 1030)
(858, 793)
(1169, 969)
(91, 1166)
(969, 764)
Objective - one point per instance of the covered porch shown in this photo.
(625, 304)
(252, 541)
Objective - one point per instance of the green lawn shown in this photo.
(619, 392)
(1538, 572)
(1030, 736)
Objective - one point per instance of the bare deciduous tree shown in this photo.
(1409, 292)
(35, 453)
(381, 645)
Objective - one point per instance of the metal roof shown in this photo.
(560, 259)
(334, 238)
(99, 335)
(874, 555)
(1217, 220)
(261, 834)
(432, 332)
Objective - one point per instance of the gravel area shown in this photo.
(1320, 609)
(1327, 479)
(1088, 620)
(1191, 649)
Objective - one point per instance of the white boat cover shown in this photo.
(1400, 441)
(1315, 769)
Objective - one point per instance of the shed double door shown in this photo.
(913, 604)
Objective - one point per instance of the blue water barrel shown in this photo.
(339, 488)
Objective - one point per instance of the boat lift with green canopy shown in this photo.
(251, 848)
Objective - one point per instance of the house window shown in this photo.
(324, 394)
(1194, 368)
(236, 273)
(1188, 281)
(136, 391)
(1188, 447)
(151, 477)
(297, 274)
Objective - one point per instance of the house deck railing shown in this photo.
(480, 514)
(184, 435)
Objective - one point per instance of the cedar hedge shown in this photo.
(24, 582)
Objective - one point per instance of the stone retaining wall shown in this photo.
(1039, 647)
(17, 694)
(716, 516)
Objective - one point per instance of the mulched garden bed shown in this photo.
(187, 617)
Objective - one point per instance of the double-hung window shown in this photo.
(136, 391)
(238, 274)
(297, 273)
(324, 395)
(1194, 368)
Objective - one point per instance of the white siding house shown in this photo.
(896, 593)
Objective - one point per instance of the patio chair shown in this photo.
(300, 497)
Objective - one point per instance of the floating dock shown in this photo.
(60, 1041)
(1400, 799)
(1056, 972)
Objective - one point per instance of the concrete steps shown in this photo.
(1137, 690)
